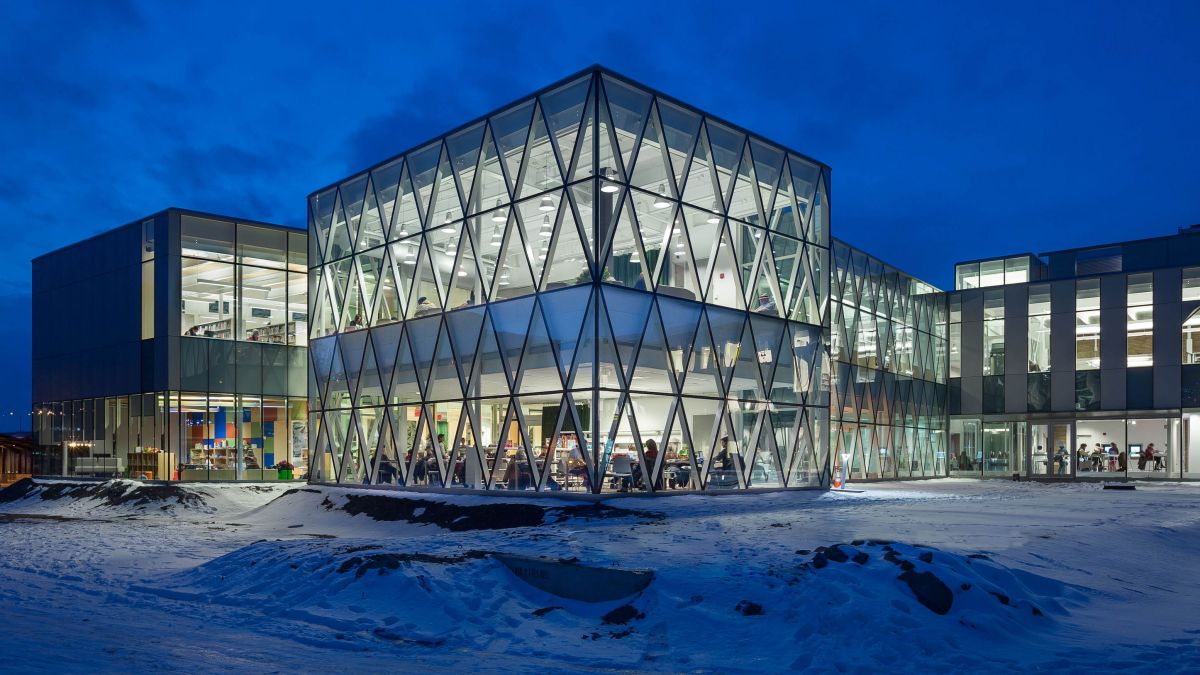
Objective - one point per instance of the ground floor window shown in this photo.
(180, 436)
(1082, 447)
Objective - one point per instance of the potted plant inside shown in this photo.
(285, 470)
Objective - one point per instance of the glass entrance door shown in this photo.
(1051, 449)
(1003, 448)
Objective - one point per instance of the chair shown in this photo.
(621, 469)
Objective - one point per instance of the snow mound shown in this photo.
(373, 589)
(847, 606)
(67, 498)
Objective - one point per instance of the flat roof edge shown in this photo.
(168, 210)
(595, 68)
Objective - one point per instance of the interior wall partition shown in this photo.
(597, 288)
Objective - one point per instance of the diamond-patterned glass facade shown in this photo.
(889, 346)
(594, 289)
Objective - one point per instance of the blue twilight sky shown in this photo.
(955, 130)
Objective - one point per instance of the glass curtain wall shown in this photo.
(888, 340)
(180, 436)
(242, 282)
(595, 289)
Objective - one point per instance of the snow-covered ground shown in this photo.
(933, 576)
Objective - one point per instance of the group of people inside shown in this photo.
(1113, 459)
(675, 472)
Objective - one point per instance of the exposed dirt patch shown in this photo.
(622, 615)
(462, 518)
(387, 562)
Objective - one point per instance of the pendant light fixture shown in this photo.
(660, 201)
(498, 216)
(547, 228)
(607, 174)
(547, 204)
(446, 221)
(713, 218)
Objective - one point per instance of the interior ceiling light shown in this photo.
(633, 257)
(660, 201)
(547, 204)
(713, 218)
(546, 227)
(447, 220)
(498, 216)
(607, 174)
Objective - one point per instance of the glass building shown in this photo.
(174, 348)
(889, 345)
(596, 288)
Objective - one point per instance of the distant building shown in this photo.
(18, 457)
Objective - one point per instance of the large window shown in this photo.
(209, 293)
(1087, 324)
(1191, 284)
(1140, 324)
(956, 336)
(993, 332)
(1015, 270)
(1191, 338)
(1039, 329)
(259, 295)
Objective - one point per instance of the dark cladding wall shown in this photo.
(87, 317)
(888, 394)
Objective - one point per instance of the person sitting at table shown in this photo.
(387, 471)
(511, 476)
(420, 470)
(765, 304)
(424, 306)
(724, 459)
(1122, 459)
(651, 454)
(1150, 457)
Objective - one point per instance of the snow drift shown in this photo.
(77, 499)
(877, 601)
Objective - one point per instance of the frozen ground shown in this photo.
(124, 577)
